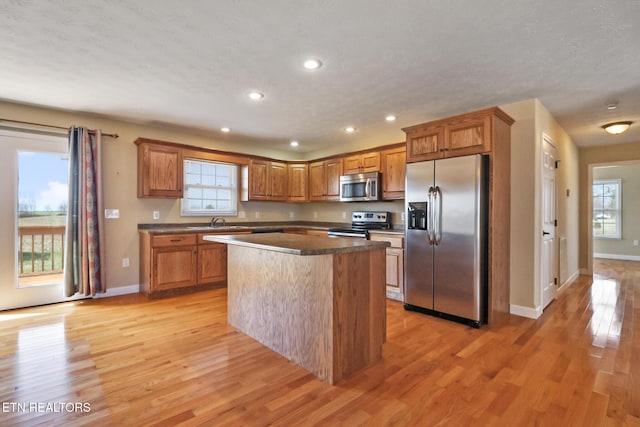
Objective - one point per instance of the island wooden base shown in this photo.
(326, 313)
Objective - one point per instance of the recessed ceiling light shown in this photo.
(312, 64)
(255, 95)
(390, 118)
(225, 130)
(349, 129)
(294, 143)
(612, 106)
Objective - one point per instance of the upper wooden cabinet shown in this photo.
(393, 172)
(324, 179)
(298, 182)
(361, 163)
(267, 180)
(159, 170)
(470, 133)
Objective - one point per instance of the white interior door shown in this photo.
(548, 264)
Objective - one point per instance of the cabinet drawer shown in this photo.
(173, 240)
(395, 241)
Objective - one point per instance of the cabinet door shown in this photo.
(370, 162)
(277, 188)
(352, 164)
(395, 266)
(212, 263)
(258, 180)
(317, 181)
(173, 267)
(425, 144)
(298, 182)
(468, 136)
(333, 169)
(393, 173)
(159, 171)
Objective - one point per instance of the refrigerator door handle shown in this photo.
(429, 215)
(437, 238)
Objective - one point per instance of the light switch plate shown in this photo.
(112, 213)
(156, 214)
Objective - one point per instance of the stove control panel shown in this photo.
(375, 217)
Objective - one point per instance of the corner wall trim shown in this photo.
(570, 280)
(531, 313)
(620, 257)
(120, 290)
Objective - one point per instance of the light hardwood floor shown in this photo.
(177, 362)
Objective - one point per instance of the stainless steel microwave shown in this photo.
(360, 187)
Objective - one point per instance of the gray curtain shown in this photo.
(84, 267)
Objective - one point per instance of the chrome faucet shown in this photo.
(215, 220)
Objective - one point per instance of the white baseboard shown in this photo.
(531, 313)
(570, 280)
(620, 257)
(121, 290)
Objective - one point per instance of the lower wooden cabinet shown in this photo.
(212, 261)
(178, 263)
(395, 264)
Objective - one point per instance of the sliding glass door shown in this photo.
(33, 179)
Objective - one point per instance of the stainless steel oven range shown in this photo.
(361, 223)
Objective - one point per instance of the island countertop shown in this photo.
(297, 244)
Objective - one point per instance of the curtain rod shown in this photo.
(112, 135)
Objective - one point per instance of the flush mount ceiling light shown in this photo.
(255, 95)
(390, 118)
(349, 129)
(312, 64)
(616, 127)
(294, 143)
(225, 130)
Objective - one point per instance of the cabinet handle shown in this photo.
(176, 240)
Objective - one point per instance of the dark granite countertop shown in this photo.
(199, 227)
(296, 244)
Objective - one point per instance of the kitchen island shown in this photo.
(319, 302)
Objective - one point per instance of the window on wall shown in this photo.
(210, 188)
(607, 202)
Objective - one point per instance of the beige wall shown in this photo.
(532, 121)
(120, 188)
(590, 156)
(629, 174)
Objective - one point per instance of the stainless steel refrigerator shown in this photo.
(446, 255)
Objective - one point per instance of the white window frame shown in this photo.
(617, 209)
(233, 187)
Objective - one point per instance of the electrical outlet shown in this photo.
(112, 213)
(315, 215)
(402, 216)
(156, 214)
(242, 214)
(344, 215)
(635, 243)
(125, 262)
(292, 214)
(257, 214)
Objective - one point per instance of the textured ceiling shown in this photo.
(190, 64)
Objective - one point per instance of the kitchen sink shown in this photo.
(218, 227)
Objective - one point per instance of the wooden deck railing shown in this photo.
(41, 249)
